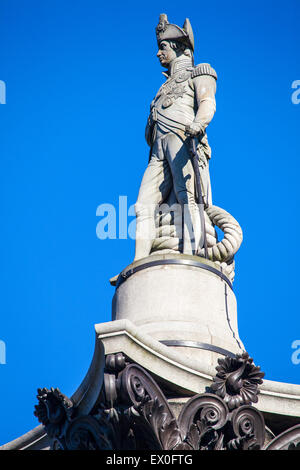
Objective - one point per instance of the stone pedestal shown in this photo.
(184, 301)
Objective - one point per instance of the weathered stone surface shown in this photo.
(180, 302)
(278, 400)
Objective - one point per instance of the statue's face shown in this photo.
(166, 54)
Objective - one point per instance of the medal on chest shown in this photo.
(171, 93)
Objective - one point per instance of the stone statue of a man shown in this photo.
(181, 110)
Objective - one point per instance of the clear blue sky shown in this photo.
(80, 76)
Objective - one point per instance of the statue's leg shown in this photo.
(205, 176)
(155, 188)
(184, 185)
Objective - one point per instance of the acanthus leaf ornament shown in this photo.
(133, 413)
(53, 410)
(237, 380)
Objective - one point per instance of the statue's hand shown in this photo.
(195, 129)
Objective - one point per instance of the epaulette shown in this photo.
(204, 69)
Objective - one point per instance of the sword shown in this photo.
(195, 162)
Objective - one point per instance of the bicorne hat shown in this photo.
(166, 31)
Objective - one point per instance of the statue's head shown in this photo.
(173, 41)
